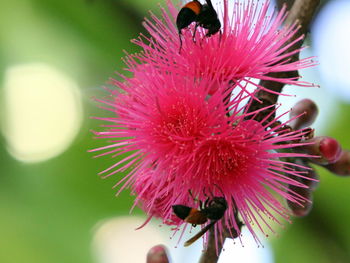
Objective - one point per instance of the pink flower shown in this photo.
(178, 137)
(172, 138)
(252, 45)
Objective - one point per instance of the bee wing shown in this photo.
(199, 234)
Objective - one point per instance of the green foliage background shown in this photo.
(48, 210)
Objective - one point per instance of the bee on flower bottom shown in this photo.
(213, 209)
(204, 15)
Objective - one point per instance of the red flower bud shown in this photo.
(328, 149)
(157, 254)
(309, 110)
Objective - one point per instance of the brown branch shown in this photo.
(210, 255)
(301, 12)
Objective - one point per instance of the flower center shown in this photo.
(222, 158)
(179, 124)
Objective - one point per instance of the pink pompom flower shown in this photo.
(179, 133)
(253, 43)
(172, 138)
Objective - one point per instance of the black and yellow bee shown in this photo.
(204, 15)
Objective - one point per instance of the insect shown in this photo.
(204, 15)
(213, 209)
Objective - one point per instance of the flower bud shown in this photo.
(328, 149)
(305, 208)
(342, 165)
(309, 110)
(313, 182)
(157, 254)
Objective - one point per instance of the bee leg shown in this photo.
(180, 41)
(190, 192)
(194, 33)
(201, 206)
(205, 194)
(207, 202)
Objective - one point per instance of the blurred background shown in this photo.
(54, 58)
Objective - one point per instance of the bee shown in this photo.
(204, 15)
(213, 209)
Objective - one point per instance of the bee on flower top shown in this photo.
(204, 15)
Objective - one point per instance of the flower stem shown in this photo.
(210, 255)
(212, 252)
(301, 12)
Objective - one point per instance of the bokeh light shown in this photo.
(42, 111)
(117, 241)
